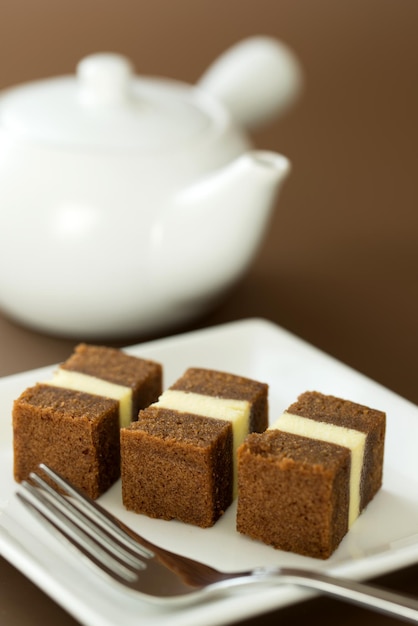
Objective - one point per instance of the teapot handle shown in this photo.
(257, 79)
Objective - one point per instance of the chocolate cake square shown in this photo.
(303, 483)
(221, 395)
(219, 409)
(69, 421)
(226, 386)
(288, 497)
(175, 466)
(110, 372)
(75, 433)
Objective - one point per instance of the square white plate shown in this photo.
(384, 538)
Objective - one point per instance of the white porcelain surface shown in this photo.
(130, 203)
(385, 536)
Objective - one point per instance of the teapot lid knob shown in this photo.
(105, 79)
(107, 106)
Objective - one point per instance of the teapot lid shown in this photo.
(106, 106)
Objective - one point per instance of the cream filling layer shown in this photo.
(235, 411)
(331, 433)
(76, 381)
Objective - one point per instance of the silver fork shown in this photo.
(162, 576)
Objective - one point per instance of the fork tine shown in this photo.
(83, 533)
(77, 539)
(96, 513)
(93, 531)
(79, 518)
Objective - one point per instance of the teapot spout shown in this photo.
(245, 190)
(216, 226)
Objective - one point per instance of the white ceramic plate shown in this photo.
(384, 538)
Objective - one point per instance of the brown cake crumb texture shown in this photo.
(115, 366)
(177, 465)
(78, 433)
(289, 498)
(229, 386)
(294, 490)
(75, 433)
(333, 410)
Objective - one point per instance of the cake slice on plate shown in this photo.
(72, 422)
(303, 483)
(178, 459)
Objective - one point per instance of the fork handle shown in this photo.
(368, 596)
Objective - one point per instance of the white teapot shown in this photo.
(129, 204)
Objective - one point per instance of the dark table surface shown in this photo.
(339, 265)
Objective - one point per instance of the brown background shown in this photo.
(339, 266)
